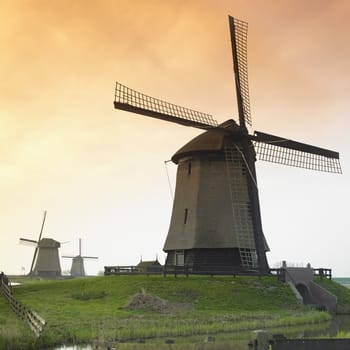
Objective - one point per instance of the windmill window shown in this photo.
(186, 216)
(189, 169)
(179, 258)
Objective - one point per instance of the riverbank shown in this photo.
(123, 308)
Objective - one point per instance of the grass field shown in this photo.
(87, 309)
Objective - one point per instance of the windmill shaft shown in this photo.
(161, 116)
(287, 152)
(28, 240)
(133, 101)
(36, 249)
(42, 226)
(298, 146)
(33, 261)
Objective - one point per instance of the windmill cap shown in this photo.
(210, 141)
(48, 243)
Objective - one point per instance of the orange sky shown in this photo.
(100, 172)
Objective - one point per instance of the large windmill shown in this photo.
(45, 262)
(77, 269)
(216, 222)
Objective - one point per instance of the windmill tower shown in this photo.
(216, 221)
(45, 262)
(77, 269)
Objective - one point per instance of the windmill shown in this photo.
(45, 262)
(77, 269)
(216, 222)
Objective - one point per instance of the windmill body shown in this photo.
(77, 269)
(204, 235)
(216, 222)
(47, 262)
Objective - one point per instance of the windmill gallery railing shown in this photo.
(280, 273)
(172, 270)
(35, 321)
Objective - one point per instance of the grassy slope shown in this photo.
(82, 309)
(342, 293)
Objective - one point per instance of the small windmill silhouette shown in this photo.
(45, 262)
(77, 269)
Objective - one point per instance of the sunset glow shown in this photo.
(100, 172)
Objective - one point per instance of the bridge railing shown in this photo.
(319, 272)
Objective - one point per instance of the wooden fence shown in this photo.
(35, 321)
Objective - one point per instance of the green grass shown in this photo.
(86, 309)
(342, 293)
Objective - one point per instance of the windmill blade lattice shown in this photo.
(275, 149)
(133, 101)
(239, 33)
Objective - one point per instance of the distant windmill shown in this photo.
(77, 269)
(45, 261)
(216, 221)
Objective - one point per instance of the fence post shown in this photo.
(259, 340)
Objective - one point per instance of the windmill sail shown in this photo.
(239, 31)
(133, 101)
(36, 248)
(279, 150)
(75, 256)
(26, 241)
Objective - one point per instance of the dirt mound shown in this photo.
(146, 301)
